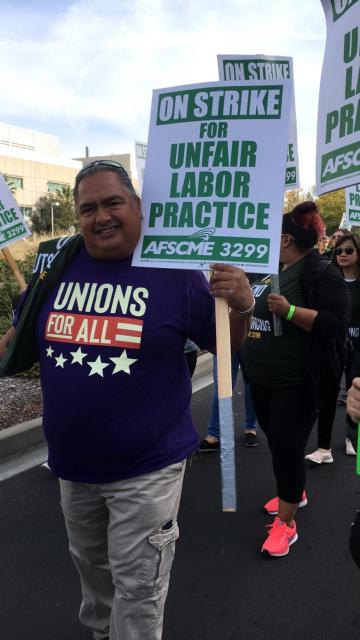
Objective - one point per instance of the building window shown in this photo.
(57, 187)
(14, 182)
(26, 212)
(141, 150)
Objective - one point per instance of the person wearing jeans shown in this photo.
(212, 440)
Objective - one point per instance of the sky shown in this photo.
(84, 70)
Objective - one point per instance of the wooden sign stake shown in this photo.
(15, 269)
(227, 442)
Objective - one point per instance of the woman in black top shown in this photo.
(288, 373)
(346, 257)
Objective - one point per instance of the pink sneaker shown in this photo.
(272, 507)
(280, 538)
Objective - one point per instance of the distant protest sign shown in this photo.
(338, 130)
(12, 224)
(214, 180)
(140, 157)
(352, 197)
(259, 67)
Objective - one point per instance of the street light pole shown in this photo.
(52, 205)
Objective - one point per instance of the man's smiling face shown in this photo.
(110, 218)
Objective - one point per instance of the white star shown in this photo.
(78, 356)
(60, 361)
(122, 363)
(97, 366)
(49, 352)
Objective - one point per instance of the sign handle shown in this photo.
(227, 442)
(15, 269)
(275, 288)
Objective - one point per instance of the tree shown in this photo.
(310, 194)
(332, 206)
(292, 198)
(63, 213)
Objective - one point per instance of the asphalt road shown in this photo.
(222, 588)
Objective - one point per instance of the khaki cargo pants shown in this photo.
(122, 540)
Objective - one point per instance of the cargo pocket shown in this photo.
(157, 560)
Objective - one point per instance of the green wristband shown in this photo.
(290, 312)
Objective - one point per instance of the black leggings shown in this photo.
(286, 415)
(329, 395)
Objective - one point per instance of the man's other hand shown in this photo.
(353, 400)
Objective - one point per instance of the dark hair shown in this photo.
(304, 224)
(105, 165)
(352, 237)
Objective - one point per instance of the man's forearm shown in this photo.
(353, 400)
(239, 329)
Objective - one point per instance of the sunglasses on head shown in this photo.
(347, 250)
(103, 163)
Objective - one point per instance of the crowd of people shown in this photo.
(117, 408)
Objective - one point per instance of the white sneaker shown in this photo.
(349, 448)
(320, 456)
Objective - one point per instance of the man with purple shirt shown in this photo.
(110, 339)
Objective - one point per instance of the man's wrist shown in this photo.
(245, 312)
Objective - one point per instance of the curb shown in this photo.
(20, 437)
(28, 434)
(203, 366)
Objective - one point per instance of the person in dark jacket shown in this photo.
(346, 258)
(288, 373)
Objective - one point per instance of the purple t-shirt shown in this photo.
(115, 381)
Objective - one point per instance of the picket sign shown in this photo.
(13, 228)
(227, 443)
(257, 67)
(352, 213)
(275, 288)
(213, 192)
(338, 142)
(15, 269)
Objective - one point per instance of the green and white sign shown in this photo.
(259, 67)
(12, 224)
(352, 198)
(214, 180)
(338, 130)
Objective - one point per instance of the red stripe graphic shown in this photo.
(80, 329)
